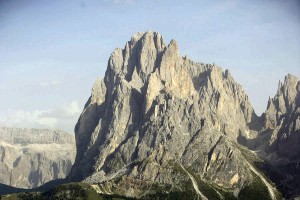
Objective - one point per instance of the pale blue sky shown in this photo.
(51, 52)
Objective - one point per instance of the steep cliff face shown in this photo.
(159, 118)
(280, 138)
(282, 119)
(31, 157)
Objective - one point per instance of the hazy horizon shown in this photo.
(51, 52)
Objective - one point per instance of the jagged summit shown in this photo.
(157, 115)
(153, 103)
(140, 55)
(282, 117)
(285, 101)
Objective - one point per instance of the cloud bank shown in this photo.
(50, 83)
(63, 118)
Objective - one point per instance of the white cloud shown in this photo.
(72, 108)
(50, 83)
(64, 117)
(48, 122)
(66, 111)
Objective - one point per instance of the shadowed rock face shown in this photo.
(157, 106)
(280, 137)
(31, 157)
(157, 116)
(282, 119)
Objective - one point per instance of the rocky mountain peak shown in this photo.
(281, 134)
(140, 55)
(290, 88)
(284, 102)
(156, 114)
(155, 104)
(161, 125)
(283, 117)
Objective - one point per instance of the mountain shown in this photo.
(282, 119)
(161, 124)
(279, 141)
(31, 157)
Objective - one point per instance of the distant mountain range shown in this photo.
(32, 157)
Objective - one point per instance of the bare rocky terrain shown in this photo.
(161, 126)
(162, 123)
(32, 157)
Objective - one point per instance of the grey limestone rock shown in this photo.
(282, 119)
(280, 136)
(160, 118)
(31, 157)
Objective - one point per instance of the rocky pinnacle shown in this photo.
(156, 113)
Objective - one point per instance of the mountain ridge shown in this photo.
(30, 158)
(155, 112)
